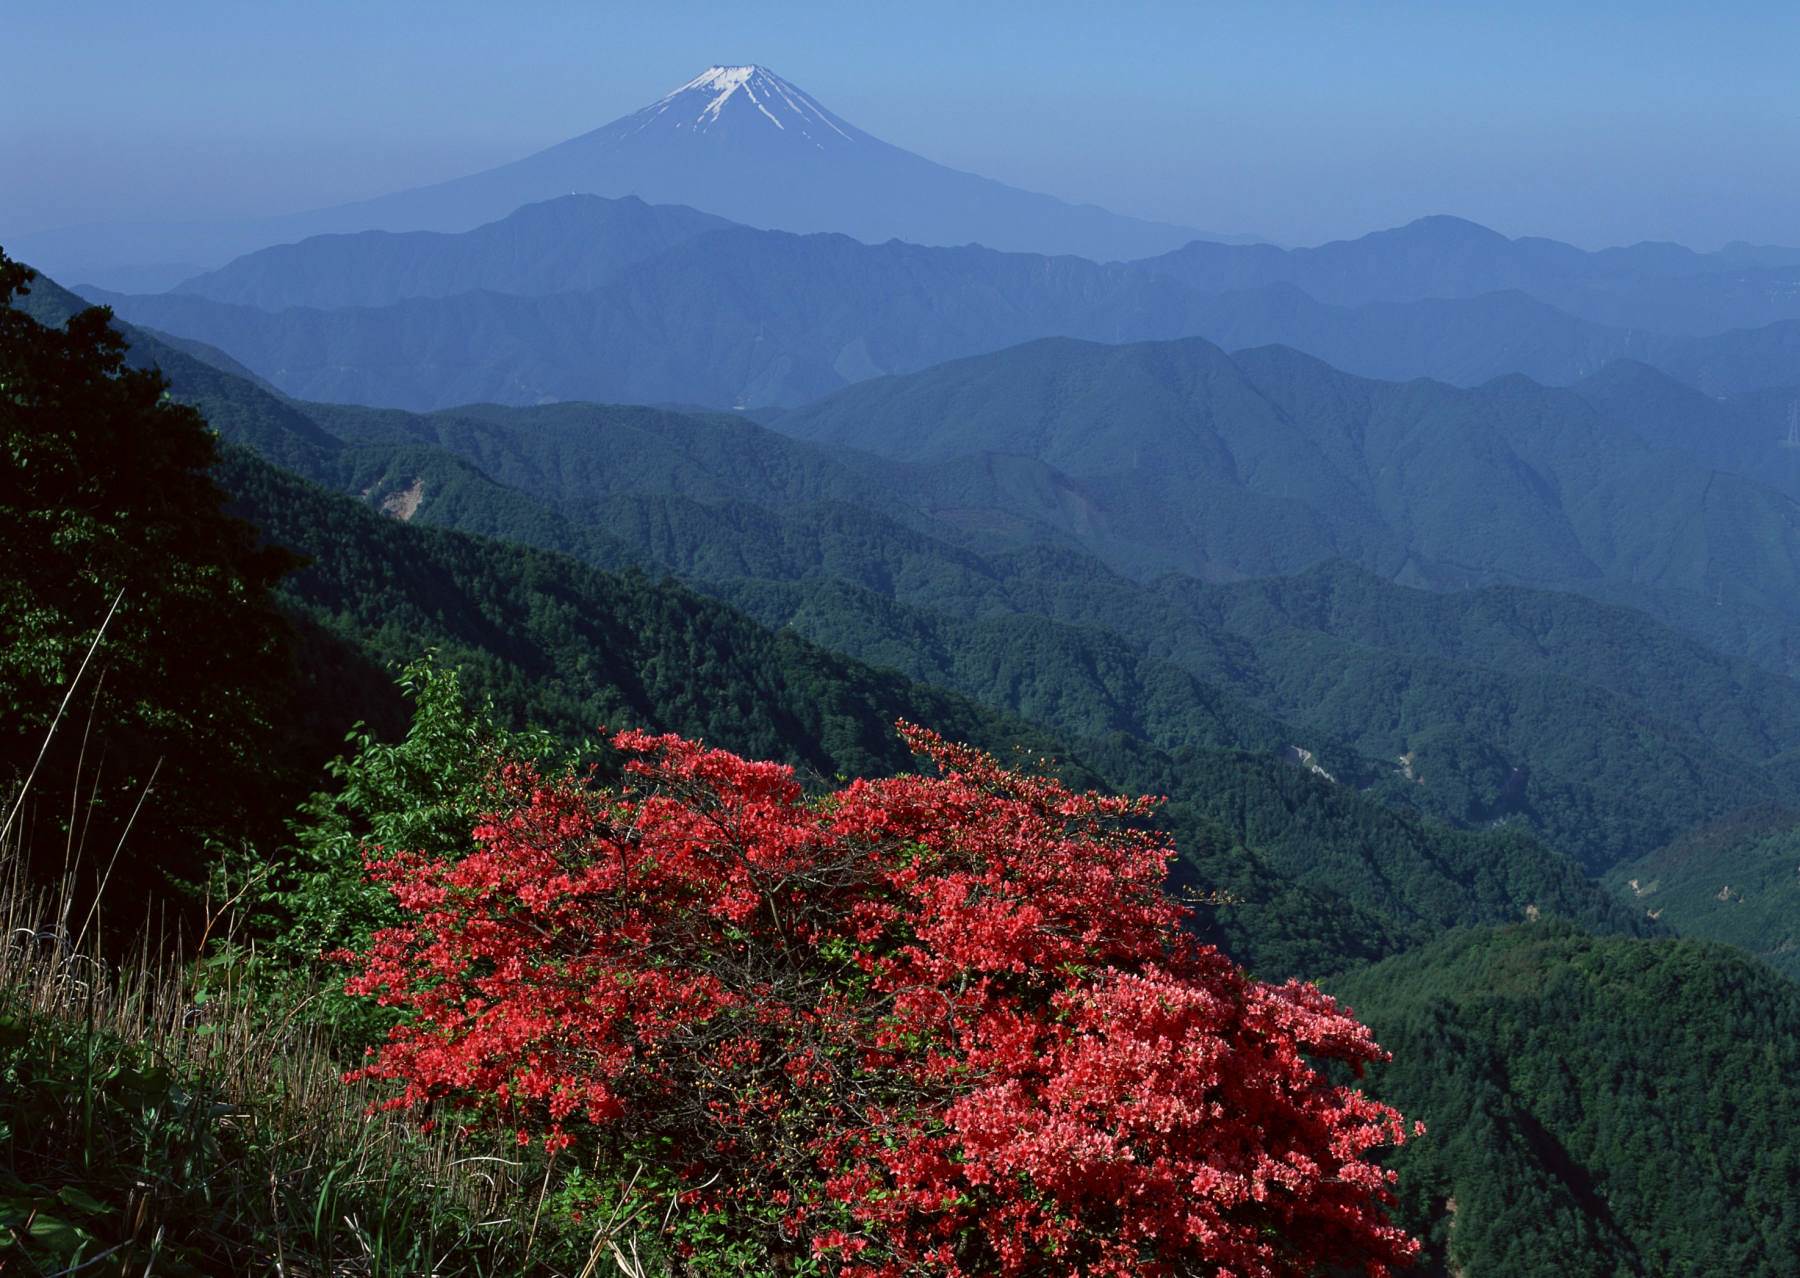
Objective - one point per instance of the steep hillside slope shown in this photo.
(1594, 1107)
(1269, 461)
(1737, 881)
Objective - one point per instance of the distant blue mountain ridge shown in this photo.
(585, 297)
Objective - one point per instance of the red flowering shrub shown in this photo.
(926, 1025)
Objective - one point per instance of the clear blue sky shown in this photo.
(1595, 122)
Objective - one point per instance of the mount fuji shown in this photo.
(736, 141)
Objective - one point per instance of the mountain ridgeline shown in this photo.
(589, 298)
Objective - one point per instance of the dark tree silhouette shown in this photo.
(106, 493)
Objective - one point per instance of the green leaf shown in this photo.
(81, 1200)
(64, 1240)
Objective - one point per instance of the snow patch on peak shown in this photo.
(774, 98)
(724, 80)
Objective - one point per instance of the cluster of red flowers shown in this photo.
(945, 1024)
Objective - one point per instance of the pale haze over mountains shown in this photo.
(736, 243)
(738, 141)
(583, 297)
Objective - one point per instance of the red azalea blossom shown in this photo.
(945, 1025)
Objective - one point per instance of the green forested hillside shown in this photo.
(574, 649)
(1595, 1106)
(1573, 510)
(1043, 649)
(1606, 733)
(1600, 773)
(1744, 434)
(1539, 736)
(1736, 880)
(1268, 461)
(1080, 678)
(588, 460)
(1379, 865)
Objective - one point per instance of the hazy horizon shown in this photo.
(1297, 122)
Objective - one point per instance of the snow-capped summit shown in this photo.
(720, 96)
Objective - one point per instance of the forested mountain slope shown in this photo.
(1593, 1106)
(1269, 461)
(1750, 433)
(1601, 775)
(1604, 732)
(1683, 570)
(1736, 880)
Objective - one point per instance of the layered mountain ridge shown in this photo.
(582, 297)
(973, 569)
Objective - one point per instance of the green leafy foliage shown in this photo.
(422, 793)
